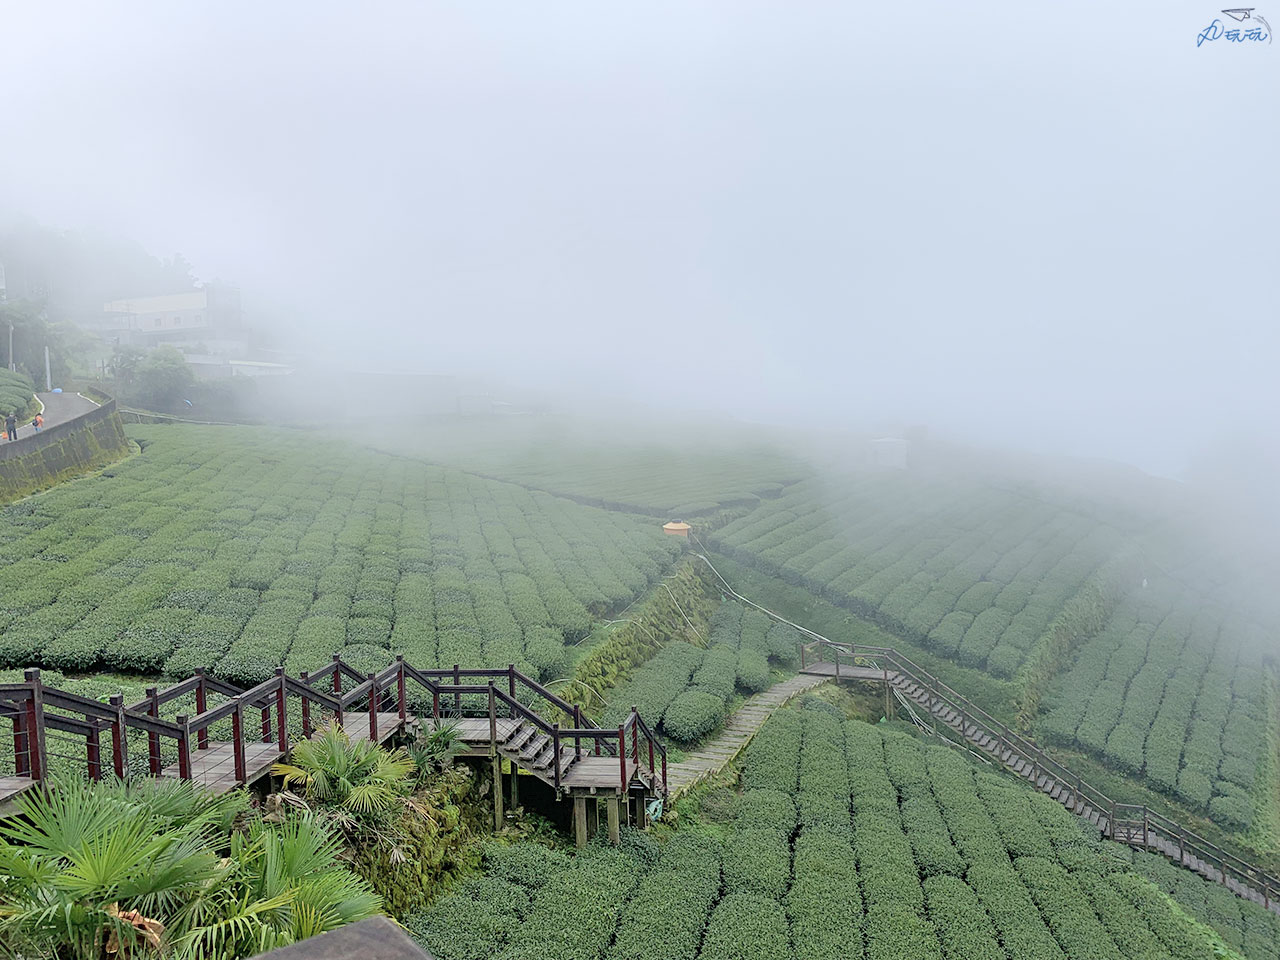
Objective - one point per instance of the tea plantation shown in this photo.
(244, 549)
(1090, 611)
(844, 841)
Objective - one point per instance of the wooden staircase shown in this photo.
(960, 722)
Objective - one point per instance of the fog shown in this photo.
(1051, 229)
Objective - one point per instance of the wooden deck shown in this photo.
(824, 669)
(355, 724)
(215, 767)
(594, 774)
(10, 789)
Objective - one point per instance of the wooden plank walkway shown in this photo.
(713, 756)
(215, 767)
(10, 789)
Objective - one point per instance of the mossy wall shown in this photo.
(62, 452)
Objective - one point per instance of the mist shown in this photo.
(1035, 229)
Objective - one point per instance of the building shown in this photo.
(676, 528)
(208, 321)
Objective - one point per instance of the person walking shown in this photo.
(38, 423)
(11, 426)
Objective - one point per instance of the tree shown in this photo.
(32, 332)
(125, 361)
(163, 377)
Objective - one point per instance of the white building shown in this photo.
(207, 319)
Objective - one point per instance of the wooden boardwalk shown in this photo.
(573, 756)
(713, 756)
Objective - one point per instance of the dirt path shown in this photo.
(712, 757)
(58, 408)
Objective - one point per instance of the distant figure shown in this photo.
(11, 426)
(38, 423)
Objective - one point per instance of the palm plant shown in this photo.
(90, 865)
(95, 870)
(357, 782)
(435, 748)
(281, 884)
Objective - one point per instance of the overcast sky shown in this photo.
(1053, 227)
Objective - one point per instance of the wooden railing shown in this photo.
(336, 690)
(1129, 823)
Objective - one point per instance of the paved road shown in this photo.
(58, 407)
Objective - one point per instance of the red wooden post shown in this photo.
(306, 710)
(282, 730)
(153, 739)
(119, 745)
(21, 747)
(622, 755)
(664, 772)
(35, 726)
(404, 710)
(652, 768)
(457, 697)
(635, 736)
(337, 689)
(511, 681)
(184, 748)
(266, 723)
(237, 739)
(373, 708)
(202, 738)
(93, 748)
(577, 723)
(435, 702)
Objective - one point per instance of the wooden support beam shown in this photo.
(593, 816)
(638, 799)
(515, 786)
(614, 816)
(580, 821)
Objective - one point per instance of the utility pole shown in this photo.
(48, 380)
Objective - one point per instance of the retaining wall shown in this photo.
(62, 451)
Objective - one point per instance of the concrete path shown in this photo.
(58, 408)
(713, 756)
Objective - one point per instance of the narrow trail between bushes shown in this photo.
(737, 732)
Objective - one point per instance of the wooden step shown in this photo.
(523, 734)
(534, 747)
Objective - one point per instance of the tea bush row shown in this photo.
(247, 549)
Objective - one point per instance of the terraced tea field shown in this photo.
(245, 549)
(846, 842)
(1165, 682)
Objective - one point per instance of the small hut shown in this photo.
(676, 528)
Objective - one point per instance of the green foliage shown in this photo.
(162, 379)
(675, 898)
(247, 549)
(574, 913)
(85, 858)
(16, 391)
(746, 927)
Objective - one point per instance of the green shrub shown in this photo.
(746, 927)
(692, 715)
